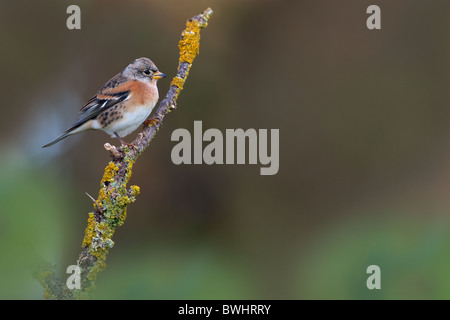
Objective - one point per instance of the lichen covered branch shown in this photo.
(114, 197)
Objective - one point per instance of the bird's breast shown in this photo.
(128, 115)
(126, 120)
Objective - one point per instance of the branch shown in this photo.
(114, 196)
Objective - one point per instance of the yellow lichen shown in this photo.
(135, 190)
(189, 44)
(89, 232)
(110, 173)
(178, 82)
(130, 163)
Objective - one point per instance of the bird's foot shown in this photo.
(129, 145)
(152, 122)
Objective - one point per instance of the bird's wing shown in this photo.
(113, 92)
(98, 104)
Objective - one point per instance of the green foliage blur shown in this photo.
(364, 173)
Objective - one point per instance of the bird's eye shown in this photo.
(147, 72)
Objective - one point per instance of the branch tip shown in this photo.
(112, 149)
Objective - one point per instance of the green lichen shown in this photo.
(112, 203)
(44, 278)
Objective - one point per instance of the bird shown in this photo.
(122, 104)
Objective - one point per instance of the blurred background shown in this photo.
(364, 172)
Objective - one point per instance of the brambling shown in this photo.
(122, 104)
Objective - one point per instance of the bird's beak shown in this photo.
(159, 75)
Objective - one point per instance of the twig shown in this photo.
(93, 200)
(114, 197)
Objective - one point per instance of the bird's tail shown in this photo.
(62, 136)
